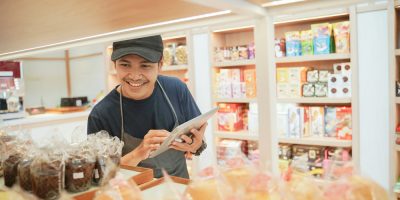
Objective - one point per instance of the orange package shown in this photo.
(230, 117)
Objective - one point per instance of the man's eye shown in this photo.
(146, 66)
(124, 65)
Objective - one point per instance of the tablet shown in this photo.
(184, 128)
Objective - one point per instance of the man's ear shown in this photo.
(160, 64)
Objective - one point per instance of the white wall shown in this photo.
(374, 95)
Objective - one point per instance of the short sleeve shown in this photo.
(190, 108)
(94, 124)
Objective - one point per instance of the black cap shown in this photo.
(150, 48)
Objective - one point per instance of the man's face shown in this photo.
(137, 76)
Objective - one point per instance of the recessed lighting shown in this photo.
(279, 2)
(231, 29)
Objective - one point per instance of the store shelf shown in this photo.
(235, 63)
(397, 52)
(308, 58)
(235, 100)
(240, 135)
(397, 99)
(174, 68)
(320, 141)
(315, 100)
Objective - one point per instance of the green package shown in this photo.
(307, 42)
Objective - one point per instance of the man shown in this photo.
(145, 107)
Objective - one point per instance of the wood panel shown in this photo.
(27, 24)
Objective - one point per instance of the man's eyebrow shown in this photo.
(146, 62)
(123, 60)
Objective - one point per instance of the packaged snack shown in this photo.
(323, 76)
(243, 53)
(167, 56)
(181, 55)
(282, 90)
(312, 76)
(230, 117)
(250, 82)
(322, 38)
(282, 75)
(218, 54)
(308, 90)
(234, 53)
(24, 170)
(251, 51)
(295, 90)
(342, 68)
(296, 122)
(341, 31)
(321, 90)
(306, 42)
(297, 75)
(343, 128)
(79, 167)
(293, 43)
(11, 169)
(280, 48)
(317, 121)
(285, 151)
(330, 122)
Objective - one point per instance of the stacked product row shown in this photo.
(324, 38)
(175, 54)
(234, 117)
(317, 121)
(241, 52)
(235, 83)
(294, 82)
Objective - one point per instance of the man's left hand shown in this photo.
(190, 144)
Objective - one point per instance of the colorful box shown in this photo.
(295, 118)
(321, 90)
(308, 90)
(285, 151)
(293, 43)
(282, 75)
(295, 90)
(342, 68)
(280, 47)
(297, 75)
(322, 38)
(341, 32)
(344, 125)
(307, 122)
(312, 76)
(330, 122)
(317, 121)
(230, 117)
(306, 38)
(323, 76)
(250, 82)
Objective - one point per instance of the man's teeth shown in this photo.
(135, 84)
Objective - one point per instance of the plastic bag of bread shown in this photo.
(115, 186)
(208, 184)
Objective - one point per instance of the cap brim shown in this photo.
(148, 54)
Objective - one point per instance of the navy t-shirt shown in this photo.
(142, 115)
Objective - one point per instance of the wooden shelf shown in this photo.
(174, 68)
(240, 135)
(235, 63)
(397, 99)
(397, 52)
(308, 58)
(235, 100)
(315, 100)
(317, 141)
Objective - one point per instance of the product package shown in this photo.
(322, 38)
(293, 43)
(330, 122)
(321, 90)
(280, 47)
(341, 31)
(282, 90)
(323, 76)
(282, 75)
(342, 68)
(306, 42)
(250, 82)
(308, 90)
(230, 117)
(296, 122)
(317, 121)
(312, 76)
(344, 127)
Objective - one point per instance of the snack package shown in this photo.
(344, 125)
(282, 75)
(243, 53)
(317, 121)
(323, 76)
(230, 117)
(168, 56)
(250, 82)
(321, 90)
(296, 122)
(308, 90)
(181, 55)
(280, 47)
(293, 43)
(330, 122)
(251, 51)
(79, 166)
(47, 170)
(341, 31)
(322, 38)
(119, 188)
(24, 169)
(306, 42)
(312, 76)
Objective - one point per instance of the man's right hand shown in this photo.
(151, 142)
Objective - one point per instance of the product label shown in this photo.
(96, 173)
(78, 175)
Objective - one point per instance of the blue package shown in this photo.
(322, 45)
(293, 48)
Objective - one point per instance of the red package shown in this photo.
(230, 117)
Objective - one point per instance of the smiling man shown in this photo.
(145, 107)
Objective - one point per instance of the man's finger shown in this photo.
(187, 139)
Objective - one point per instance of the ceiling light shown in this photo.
(279, 2)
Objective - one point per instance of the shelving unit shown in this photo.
(319, 62)
(221, 39)
(394, 101)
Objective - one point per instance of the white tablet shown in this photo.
(184, 128)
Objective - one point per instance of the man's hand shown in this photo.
(190, 144)
(151, 142)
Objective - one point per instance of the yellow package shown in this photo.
(282, 75)
(341, 32)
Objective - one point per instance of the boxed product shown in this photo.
(228, 149)
(282, 90)
(306, 42)
(306, 122)
(250, 82)
(341, 31)
(321, 90)
(322, 38)
(297, 74)
(285, 151)
(282, 75)
(342, 68)
(237, 91)
(225, 75)
(295, 90)
(251, 51)
(296, 122)
(317, 121)
(293, 43)
(308, 90)
(330, 122)
(323, 76)
(230, 116)
(334, 91)
(346, 91)
(312, 76)
(314, 154)
(280, 47)
(243, 53)
(343, 128)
